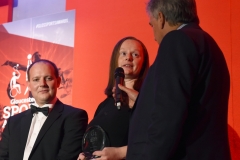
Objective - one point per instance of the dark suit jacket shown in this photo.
(181, 111)
(59, 138)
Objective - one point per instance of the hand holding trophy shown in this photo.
(94, 139)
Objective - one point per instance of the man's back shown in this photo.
(181, 112)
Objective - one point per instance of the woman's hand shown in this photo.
(111, 153)
(81, 156)
(132, 94)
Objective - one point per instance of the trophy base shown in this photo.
(94, 139)
(89, 156)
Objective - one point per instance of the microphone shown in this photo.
(119, 77)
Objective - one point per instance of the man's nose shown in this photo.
(43, 82)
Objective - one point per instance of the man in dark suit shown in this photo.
(181, 111)
(50, 130)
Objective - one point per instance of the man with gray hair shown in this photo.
(181, 110)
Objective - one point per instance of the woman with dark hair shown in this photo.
(130, 54)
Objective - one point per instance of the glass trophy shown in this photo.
(94, 139)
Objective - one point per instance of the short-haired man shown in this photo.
(50, 130)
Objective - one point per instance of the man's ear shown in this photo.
(28, 84)
(59, 81)
(161, 19)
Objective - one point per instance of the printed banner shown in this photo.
(25, 41)
(23, 9)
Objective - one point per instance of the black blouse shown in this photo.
(114, 122)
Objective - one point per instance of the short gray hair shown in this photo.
(174, 11)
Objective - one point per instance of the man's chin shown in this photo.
(44, 101)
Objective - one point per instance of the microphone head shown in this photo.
(119, 72)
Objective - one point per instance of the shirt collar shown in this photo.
(180, 27)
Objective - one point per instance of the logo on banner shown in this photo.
(17, 90)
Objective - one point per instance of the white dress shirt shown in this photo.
(37, 121)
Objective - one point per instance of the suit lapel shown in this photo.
(25, 126)
(54, 114)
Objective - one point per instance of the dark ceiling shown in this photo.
(3, 2)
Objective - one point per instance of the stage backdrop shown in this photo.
(101, 23)
(25, 41)
(23, 9)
